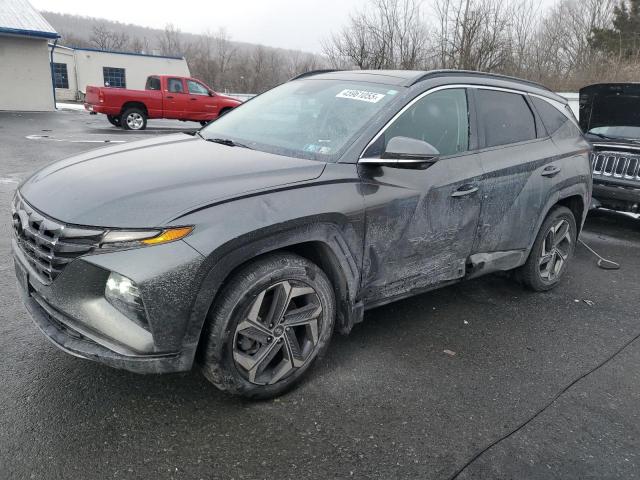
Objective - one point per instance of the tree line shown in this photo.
(570, 44)
(565, 46)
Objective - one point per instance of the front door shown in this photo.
(202, 106)
(421, 224)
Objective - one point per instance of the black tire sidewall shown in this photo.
(530, 273)
(127, 112)
(115, 121)
(217, 360)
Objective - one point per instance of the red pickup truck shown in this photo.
(165, 96)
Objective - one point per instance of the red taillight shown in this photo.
(100, 96)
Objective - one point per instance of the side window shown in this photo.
(175, 85)
(506, 117)
(197, 88)
(114, 77)
(60, 76)
(153, 83)
(552, 118)
(440, 118)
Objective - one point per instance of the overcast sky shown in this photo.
(299, 24)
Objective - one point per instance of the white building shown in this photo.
(75, 68)
(25, 72)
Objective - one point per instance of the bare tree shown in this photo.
(170, 41)
(390, 34)
(105, 39)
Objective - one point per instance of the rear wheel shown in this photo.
(134, 119)
(551, 252)
(114, 120)
(271, 322)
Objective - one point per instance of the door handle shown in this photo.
(169, 96)
(194, 99)
(550, 171)
(465, 190)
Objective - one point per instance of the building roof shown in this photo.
(114, 52)
(18, 17)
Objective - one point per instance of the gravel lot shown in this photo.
(385, 403)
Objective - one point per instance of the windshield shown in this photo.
(313, 119)
(620, 131)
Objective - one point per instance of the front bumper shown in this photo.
(73, 313)
(616, 196)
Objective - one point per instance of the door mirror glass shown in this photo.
(405, 148)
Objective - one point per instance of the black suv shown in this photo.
(243, 246)
(610, 116)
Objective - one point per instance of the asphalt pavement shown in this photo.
(387, 402)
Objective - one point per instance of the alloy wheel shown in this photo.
(135, 121)
(556, 248)
(279, 334)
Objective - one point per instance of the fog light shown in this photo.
(124, 295)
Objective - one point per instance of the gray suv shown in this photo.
(243, 247)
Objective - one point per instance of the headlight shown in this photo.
(141, 238)
(124, 295)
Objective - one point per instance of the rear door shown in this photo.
(176, 98)
(202, 106)
(518, 158)
(421, 223)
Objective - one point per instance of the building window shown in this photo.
(60, 76)
(114, 77)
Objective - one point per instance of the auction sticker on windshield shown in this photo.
(361, 95)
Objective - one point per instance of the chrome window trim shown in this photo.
(434, 90)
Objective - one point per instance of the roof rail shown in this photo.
(497, 76)
(311, 73)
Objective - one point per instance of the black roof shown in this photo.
(409, 78)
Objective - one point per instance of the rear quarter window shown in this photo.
(505, 117)
(552, 118)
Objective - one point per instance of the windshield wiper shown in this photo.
(228, 142)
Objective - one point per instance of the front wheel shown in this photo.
(551, 252)
(134, 119)
(271, 321)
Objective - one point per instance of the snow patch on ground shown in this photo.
(69, 106)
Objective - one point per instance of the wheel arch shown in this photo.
(321, 243)
(134, 104)
(573, 198)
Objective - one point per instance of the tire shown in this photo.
(244, 327)
(204, 122)
(113, 120)
(134, 119)
(552, 251)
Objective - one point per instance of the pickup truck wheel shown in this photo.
(271, 321)
(113, 120)
(134, 119)
(551, 252)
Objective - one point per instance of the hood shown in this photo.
(610, 105)
(149, 183)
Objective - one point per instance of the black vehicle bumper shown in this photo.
(617, 197)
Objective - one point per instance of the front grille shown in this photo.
(49, 245)
(618, 165)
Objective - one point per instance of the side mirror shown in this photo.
(212, 93)
(405, 152)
